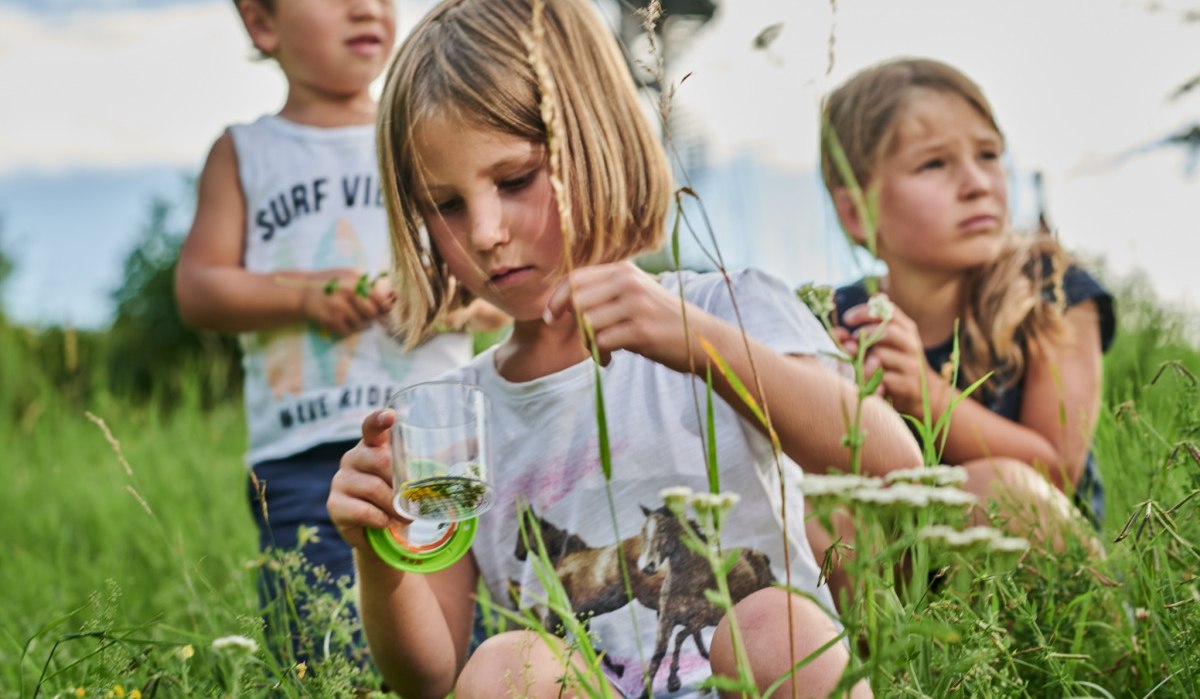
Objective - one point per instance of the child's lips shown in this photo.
(980, 223)
(507, 276)
(365, 43)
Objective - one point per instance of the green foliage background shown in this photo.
(119, 554)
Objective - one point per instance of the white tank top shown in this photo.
(312, 202)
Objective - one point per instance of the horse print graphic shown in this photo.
(665, 576)
(681, 600)
(591, 576)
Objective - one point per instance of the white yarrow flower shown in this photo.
(235, 642)
(676, 496)
(933, 475)
(1009, 544)
(881, 308)
(837, 484)
(912, 495)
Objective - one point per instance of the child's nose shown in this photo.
(367, 8)
(487, 225)
(976, 179)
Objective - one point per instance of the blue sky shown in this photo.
(109, 103)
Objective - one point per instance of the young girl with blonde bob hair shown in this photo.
(468, 147)
(923, 144)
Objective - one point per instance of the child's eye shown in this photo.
(932, 164)
(449, 206)
(989, 155)
(517, 183)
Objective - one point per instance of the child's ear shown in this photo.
(849, 215)
(260, 25)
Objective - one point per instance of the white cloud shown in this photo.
(127, 87)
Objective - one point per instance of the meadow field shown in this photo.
(129, 555)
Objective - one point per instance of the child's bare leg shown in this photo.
(518, 664)
(763, 625)
(1032, 507)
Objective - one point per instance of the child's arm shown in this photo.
(629, 310)
(1059, 405)
(418, 626)
(215, 291)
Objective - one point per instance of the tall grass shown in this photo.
(161, 556)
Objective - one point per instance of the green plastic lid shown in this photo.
(445, 543)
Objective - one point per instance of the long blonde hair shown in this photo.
(469, 59)
(1004, 311)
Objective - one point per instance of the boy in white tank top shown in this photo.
(289, 249)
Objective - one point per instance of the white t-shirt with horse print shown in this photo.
(546, 455)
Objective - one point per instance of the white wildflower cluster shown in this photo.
(974, 537)
(677, 498)
(836, 485)
(896, 492)
(818, 298)
(235, 643)
(914, 495)
(881, 308)
(930, 475)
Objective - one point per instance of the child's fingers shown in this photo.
(559, 302)
(375, 428)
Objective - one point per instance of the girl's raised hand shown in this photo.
(628, 309)
(361, 492)
(900, 352)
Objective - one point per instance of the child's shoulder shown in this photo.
(700, 287)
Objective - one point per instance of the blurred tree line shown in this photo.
(148, 353)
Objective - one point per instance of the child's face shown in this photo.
(334, 47)
(490, 210)
(943, 199)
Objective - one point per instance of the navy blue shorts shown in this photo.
(296, 488)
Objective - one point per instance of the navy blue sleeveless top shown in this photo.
(1078, 286)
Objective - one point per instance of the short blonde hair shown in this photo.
(468, 59)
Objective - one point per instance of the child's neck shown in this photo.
(327, 111)
(536, 349)
(931, 301)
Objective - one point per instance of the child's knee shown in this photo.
(514, 663)
(763, 626)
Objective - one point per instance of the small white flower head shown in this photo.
(881, 308)
(818, 298)
(726, 501)
(185, 652)
(836, 485)
(235, 643)
(972, 538)
(1009, 544)
(913, 496)
(704, 503)
(675, 498)
(931, 475)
